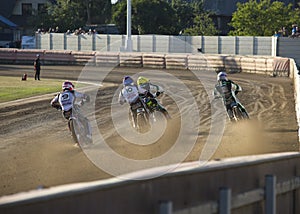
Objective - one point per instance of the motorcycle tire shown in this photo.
(73, 131)
(142, 123)
(237, 113)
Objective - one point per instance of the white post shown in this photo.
(128, 45)
(274, 46)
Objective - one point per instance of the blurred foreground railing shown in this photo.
(252, 184)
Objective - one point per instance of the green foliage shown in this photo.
(262, 18)
(148, 17)
(119, 11)
(161, 17)
(72, 14)
(184, 14)
(203, 25)
(12, 88)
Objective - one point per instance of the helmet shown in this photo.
(222, 76)
(67, 85)
(142, 80)
(127, 80)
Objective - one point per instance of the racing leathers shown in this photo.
(149, 92)
(130, 94)
(228, 90)
(65, 101)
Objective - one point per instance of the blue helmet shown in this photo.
(222, 76)
(127, 80)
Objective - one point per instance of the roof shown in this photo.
(227, 7)
(7, 22)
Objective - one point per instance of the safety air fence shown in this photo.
(267, 183)
(253, 184)
(274, 66)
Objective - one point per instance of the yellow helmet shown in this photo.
(142, 80)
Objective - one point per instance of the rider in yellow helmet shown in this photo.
(146, 89)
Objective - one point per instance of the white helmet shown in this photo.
(222, 76)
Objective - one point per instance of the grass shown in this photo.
(12, 88)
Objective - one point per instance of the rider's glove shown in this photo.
(81, 103)
(87, 98)
(157, 94)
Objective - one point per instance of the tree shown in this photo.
(185, 14)
(148, 17)
(262, 18)
(119, 14)
(72, 14)
(65, 14)
(203, 25)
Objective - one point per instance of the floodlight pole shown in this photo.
(128, 46)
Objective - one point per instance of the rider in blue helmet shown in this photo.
(130, 94)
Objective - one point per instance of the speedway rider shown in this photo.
(130, 94)
(228, 90)
(146, 89)
(65, 100)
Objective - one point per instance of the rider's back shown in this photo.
(66, 100)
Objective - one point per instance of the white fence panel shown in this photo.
(211, 44)
(162, 44)
(44, 41)
(85, 42)
(245, 45)
(57, 41)
(262, 46)
(72, 42)
(101, 42)
(227, 44)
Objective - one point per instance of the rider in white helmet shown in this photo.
(130, 94)
(228, 90)
(151, 91)
(65, 100)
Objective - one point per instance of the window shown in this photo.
(26, 9)
(41, 8)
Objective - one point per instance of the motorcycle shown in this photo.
(237, 112)
(79, 126)
(142, 116)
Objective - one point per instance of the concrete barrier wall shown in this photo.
(231, 63)
(227, 45)
(159, 43)
(190, 188)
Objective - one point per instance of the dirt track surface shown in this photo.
(37, 150)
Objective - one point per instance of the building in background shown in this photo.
(14, 16)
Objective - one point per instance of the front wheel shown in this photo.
(239, 114)
(73, 131)
(142, 123)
